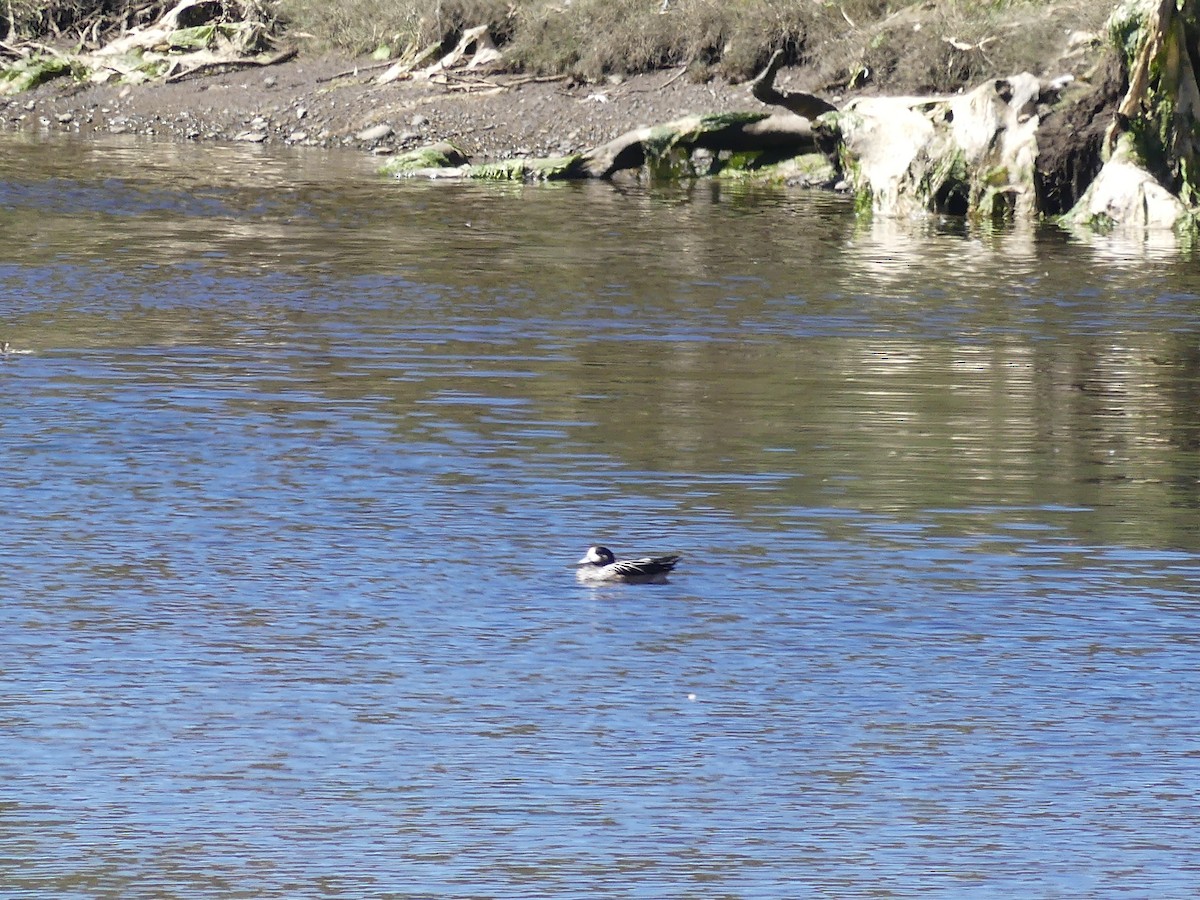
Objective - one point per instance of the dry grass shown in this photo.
(941, 46)
(357, 26)
(94, 22)
(76, 20)
(363, 26)
(895, 46)
(600, 37)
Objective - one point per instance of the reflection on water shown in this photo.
(297, 462)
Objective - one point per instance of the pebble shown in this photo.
(251, 137)
(297, 136)
(418, 121)
(375, 133)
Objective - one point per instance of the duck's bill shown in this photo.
(583, 562)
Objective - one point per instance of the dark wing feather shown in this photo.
(646, 566)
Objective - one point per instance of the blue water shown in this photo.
(293, 474)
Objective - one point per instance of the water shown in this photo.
(296, 463)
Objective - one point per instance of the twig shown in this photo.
(45, 48)
(17, 50)
(482, 88)
(230, 64)
(964, 46)
(356, 70)
(659, 87)
(673, 78)
(535, 79)
(467, 80)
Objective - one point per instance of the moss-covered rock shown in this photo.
(445, 160)
(442, 155)
(812, 170)
(552, 168)
(25, 74)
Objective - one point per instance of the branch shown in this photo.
(763, 89)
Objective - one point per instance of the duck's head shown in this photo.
(597, 556)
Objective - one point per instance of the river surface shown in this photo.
(294, 463)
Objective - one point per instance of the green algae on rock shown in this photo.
(26, 74)
(442, 157)
(688, 147)
(550, 168)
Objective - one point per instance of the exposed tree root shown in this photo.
(763, 88)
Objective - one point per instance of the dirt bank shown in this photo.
(333, 101)
(327, 101)
(336, 101)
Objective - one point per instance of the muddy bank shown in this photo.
(230, 72)
(335, 102)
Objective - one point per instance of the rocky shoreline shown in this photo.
(336, 102)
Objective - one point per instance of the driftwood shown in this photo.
(198, 64)
(475, 50)
(697, 144)
(736, 133)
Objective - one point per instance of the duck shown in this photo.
(600, 566)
